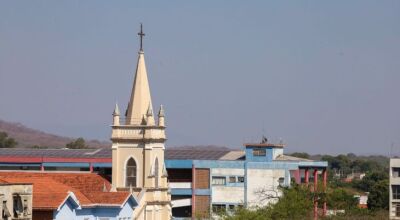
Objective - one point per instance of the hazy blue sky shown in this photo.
(323, 76)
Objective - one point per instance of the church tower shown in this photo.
(138, 145)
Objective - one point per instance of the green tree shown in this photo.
(295, 203)
(378, 197)
(6, 142)
(77, 144)
(370, 180)
(340, 199)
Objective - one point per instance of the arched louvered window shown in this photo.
(156, 173)
(130, 173)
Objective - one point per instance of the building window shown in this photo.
(217, 208)
(259, 152)
(240, 179)
(396, 171)
(396, 191)
(232, 179)
(397, 207)
(130, 173)
(218, 180)
(156, 175)
(18, 207)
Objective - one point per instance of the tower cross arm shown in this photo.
(141, 34)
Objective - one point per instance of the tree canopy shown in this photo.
(7, 142)
(77, 144)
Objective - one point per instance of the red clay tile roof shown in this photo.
(107, 197)
(51, 189)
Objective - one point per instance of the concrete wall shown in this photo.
(262, 180)
(23, 190)
(231, 193)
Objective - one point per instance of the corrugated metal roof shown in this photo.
(174, 154)
(170, 154)
(64, 153)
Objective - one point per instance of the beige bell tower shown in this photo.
(138, 150)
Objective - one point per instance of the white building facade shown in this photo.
(394, 188)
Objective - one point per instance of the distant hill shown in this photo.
(28, 137)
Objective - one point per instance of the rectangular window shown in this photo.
(397, 207)
(232, 179)
(396, 191)
(259, 152)
(240, 179)
(396, 171)
(216, 208)
(218, 180)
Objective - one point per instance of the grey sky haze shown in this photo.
(323, 76)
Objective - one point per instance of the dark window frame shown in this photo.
(396, 191)
(131, 173)
(259, 152)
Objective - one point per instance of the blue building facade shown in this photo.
(201, 181)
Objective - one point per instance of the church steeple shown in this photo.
(140, 100)
(138, 149)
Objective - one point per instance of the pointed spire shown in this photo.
(116, 110)
(140, 96)
(116, 115)
(149, 111)
(161, 111)
(161, 116)
(149, 114)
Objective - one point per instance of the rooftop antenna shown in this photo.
(264, 140)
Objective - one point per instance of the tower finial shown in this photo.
(141, 34)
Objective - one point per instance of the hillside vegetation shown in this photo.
(28, 137)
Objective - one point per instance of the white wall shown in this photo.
(227, 194)
(262, 179)
(394, 162)
(232, 193)
(226, 172)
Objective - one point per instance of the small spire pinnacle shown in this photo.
(161, 112)
(141, 34)
(116, 110)
(161, 117)
(149, 111)
(149, 114)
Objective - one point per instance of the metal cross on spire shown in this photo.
(141, 34)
